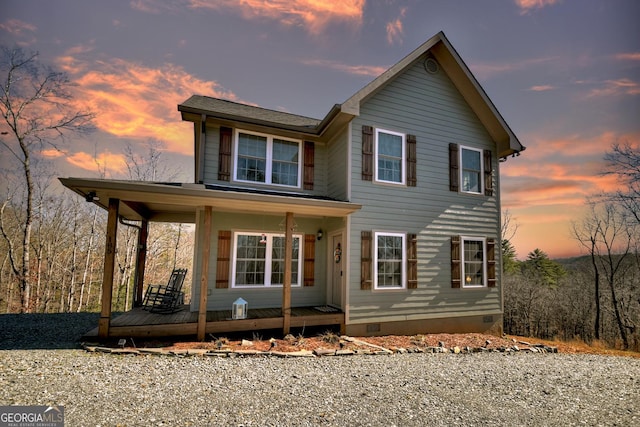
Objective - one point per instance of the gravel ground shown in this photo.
(400, 389)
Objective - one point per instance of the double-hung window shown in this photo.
(390, 156)
(471, 172)
(473, 262)
(390, 260)
(267, 159)
(258, 260)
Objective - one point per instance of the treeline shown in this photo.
(566, 310)
(67, 248)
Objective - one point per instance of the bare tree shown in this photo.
(608, 236)
(623, 161)
(36, 108)
(151, 167)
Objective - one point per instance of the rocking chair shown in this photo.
(166, 298)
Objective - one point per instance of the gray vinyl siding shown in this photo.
(430, 107)
(221, 299)
(211, 154)
(338, 157)
(211, 151)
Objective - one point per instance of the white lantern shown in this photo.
(239, 309)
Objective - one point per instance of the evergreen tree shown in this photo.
(543, 270)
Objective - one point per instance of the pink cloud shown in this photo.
(527, 5)
(541, 88)
(484, 70)
(23, 31)
(615, 88)
(631, 56)
(395, 29)
(51, 153)
(312, 15)
(359, 70)
(17, 27)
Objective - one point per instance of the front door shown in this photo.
(337, 272)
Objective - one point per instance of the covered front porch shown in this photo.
(141, 323)
(144, 202)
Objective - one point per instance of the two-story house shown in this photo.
(384, 214)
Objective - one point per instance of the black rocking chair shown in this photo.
(166, 298)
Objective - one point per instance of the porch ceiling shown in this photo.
(175, 202)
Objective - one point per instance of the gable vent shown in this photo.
(431, 65)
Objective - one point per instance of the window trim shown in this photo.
(462, 169)
(463, 240)
(268, 160)
(268, 260)
(403, 160)
(403, 277)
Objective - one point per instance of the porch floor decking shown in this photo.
(141, 323)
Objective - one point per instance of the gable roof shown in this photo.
(437, 46)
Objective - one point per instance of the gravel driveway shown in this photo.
(399, 389)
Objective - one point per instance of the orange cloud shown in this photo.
(135, 101)
(527, 5)
(359, 70)
(17, 27)
(20, 30)
(616, 88)
(97, 163)
(560, 173)
(314, 15)
(541, 88)
(632, 56)
(484, 70)
(395, 29)
(52, 153)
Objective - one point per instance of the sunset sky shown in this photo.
(565, 75)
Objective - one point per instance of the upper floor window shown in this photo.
(267, 159)
(390, 156)
(471, 171)
(389, 250)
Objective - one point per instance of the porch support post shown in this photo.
(286, 285)
(204, 274)
(141, 260)
(109, 265)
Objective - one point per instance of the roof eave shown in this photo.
(185, 110)
(174, 202)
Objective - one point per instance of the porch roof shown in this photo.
(178, 202)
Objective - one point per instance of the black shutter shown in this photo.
(309, 259)
(309, 150)
(367, 153)
(412, 178)
(224, 154)
(412, 261)
(365, 260)
(224, 259)
(455, 262)
(454, 175)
